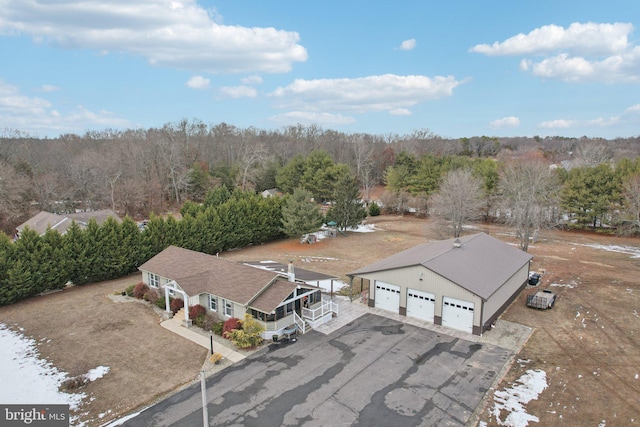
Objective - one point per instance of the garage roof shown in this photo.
(478, 262)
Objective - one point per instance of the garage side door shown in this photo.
(387, 296)
(420, 304)
(457, 314)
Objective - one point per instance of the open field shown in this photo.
(588, 344)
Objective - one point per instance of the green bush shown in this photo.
(129, 290)
(374, 209)
(161, 302)
(218, 327)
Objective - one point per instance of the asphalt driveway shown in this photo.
(374, 371)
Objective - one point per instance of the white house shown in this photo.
(276, 299)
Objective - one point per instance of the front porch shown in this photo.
(312, 317)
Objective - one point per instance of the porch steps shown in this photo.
(179, 316)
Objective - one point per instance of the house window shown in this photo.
(172, 292)
(213, 303)
(154, 280)
(228, 307)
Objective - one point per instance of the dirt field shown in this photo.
(82, 328)
(588, 344)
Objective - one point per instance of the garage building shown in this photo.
(463, 283)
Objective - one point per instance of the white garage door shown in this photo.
(457, 314)
(420, 304)
(387, 296)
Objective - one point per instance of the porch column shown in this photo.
(167, 306)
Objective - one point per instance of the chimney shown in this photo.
(291, 272)
(457, 243)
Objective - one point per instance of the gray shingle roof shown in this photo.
(480, 265)
(61, 223)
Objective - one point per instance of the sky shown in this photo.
(456, 68)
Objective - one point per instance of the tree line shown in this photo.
(139, 171)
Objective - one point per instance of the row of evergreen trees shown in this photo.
(226, 220)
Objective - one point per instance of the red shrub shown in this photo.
(151, 295)
(196, 310)
(230, 325)
(176, 305)
(140, 289)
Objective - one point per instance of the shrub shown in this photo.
(140, 289)
(230, 324)
(196, 310)
(216, 357)
(129, 290)
(176, 305)
(151, 295)
(161, 302)
(218, 327)
(374, 209)
(248, 336)
(206, 322)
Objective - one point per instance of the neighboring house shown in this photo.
(277, 300)
(61, 223)
(463, 283)
(271, 192)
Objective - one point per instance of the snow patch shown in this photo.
(569, 285)
(629, 250)
(97, 373)
(513, 400)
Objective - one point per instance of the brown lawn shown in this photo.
(588, 344)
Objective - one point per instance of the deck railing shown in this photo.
(327, 306)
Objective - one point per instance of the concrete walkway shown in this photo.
(226, 352)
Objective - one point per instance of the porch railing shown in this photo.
(327, 306)
(299, 321)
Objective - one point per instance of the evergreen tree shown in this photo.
(347, 210)
(591, 192)
(76, 251)
(299, 214)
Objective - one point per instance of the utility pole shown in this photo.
(203, 387)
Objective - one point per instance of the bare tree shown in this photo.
(14, 192)
(630, 224)
(459, 199)
(529, 191)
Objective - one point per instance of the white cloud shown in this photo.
(309, 118)
(506, 122)
(400, 112)
(49, 88)
(630, 116)
(408, 44)
(167, 33)
(251, 80)
(198, 82)
(579, 53)
(557, 124)
(373, 93)
(238, 91)
(37, 117)
(588, 38)
(618, 68)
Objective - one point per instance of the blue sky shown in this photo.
(458, 68)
